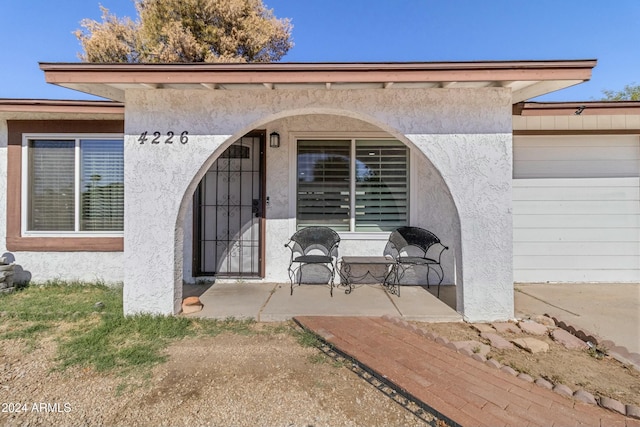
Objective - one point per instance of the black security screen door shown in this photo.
(228, 210)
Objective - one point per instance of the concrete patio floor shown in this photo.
(271, 302)
(609, 310)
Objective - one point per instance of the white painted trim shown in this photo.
(293, 182)
(76, 176)
(352, 185)
(24, 184)
(413, 187)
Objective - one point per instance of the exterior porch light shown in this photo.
(274, 140)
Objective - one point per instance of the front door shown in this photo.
(228, 209)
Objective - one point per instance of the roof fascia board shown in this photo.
(570, 108)
(60, 106)
(65, 73)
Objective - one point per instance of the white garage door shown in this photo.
(576, 206)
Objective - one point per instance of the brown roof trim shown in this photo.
(60, 106)
(62, 73)
(570, 108)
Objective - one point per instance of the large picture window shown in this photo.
(352, 185)
(74, 185)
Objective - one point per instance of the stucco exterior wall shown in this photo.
(105, 267)
(465, 134)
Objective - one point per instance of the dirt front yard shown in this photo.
(226, 380)
(259, 379)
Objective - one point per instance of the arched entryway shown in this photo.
(429, 202)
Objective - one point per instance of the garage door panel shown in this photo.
(568, 193)
(576, 182)
(574, 169)
(572, 262)
(576, 208)
(555, 235)
(601, 153)
(581, 141)
(580, 207)
(578, 249)
(576, 221)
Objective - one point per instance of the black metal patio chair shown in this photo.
(313, 246)
(411, 247)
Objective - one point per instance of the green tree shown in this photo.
(629, 93)
(168, 31)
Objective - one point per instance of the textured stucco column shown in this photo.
(157, 178)
(478, 171)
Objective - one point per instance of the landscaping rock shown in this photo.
(473, 346)
(425, 334)
(451, 346)
(533, 328)
(586, 336)
(544, 320)
(543, 383)
(479, 358)
(509, 370)
(506, 327)
(465, 351)
(569, 341)
(632, 411)
(493, 363)
(525, 377)
(612, 404)
(497, 341)
(532, 345)
(442, 340)
(585, 396)
(483, 327)
(563, 390)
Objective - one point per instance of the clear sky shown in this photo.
(33, 31)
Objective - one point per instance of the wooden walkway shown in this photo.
(455, 387)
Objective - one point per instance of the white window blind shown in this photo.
(365, 192)
(52, 185)
(323, 184)
(75, 185)
(102, 186)
(381, 186)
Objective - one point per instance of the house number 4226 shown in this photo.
(157, 138)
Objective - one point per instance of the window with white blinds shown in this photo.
(75, 185)
(52, 185)
(381, 186)
(102, 185)
(352, 185)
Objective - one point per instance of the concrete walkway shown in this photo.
(610, 310)
(455, 388)
(268, 302)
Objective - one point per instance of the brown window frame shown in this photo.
(15, 240)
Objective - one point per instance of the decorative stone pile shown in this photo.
(559, 331)
(6, 275)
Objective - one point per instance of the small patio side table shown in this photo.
(369, 262)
